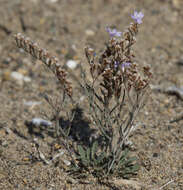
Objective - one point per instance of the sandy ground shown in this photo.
(64, 27)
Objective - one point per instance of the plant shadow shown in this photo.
(80, 131)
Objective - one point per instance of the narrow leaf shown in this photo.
(88, 153)
(94, 150)
(82, 153)
(129, 161)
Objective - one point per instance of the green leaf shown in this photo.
(94, 150)
(135, 168)
(82, 175)
(124, 154)
(74, 169)
(82, 153)
(88, 152)
(129, 161)
(123, 157)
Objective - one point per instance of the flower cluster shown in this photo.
(116, 64)
(137, 17)
(120, 76)
(113, 32)
(117, 92)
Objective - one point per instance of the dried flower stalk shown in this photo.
(50, 61)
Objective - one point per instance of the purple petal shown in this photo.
(137, 17)
(124, 65)
(113, 32)
(116, 63)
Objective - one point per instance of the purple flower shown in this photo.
(137, 17)
(113, 32)
(124, 65)
(116, 63)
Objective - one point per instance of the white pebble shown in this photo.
(39, 121)
(53, 1)
(27, 79)
(19, 77)
(66, 162)
(89, 32)
(71, 64)
(31, 103)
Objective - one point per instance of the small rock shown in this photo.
(71, 64)
(81, 99)
(89, 32)
(17, 76)
(41, 122)
(53, 1)
(66, 162)
(146, 113)
(20, 78)
(8, 130)
(27, 79)
(34, 1)
(31, 103)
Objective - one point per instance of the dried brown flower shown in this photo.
(50, 61)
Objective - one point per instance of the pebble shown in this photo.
(17, 76)
(27, 79)
(89, 32)
(41, 122)
(66, 162)
(20, 78)
(34, 1)
(31, 103)
(8, 130)
(71, 64)
(53, 1)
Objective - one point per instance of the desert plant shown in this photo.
(94, 161)
(115, 95)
